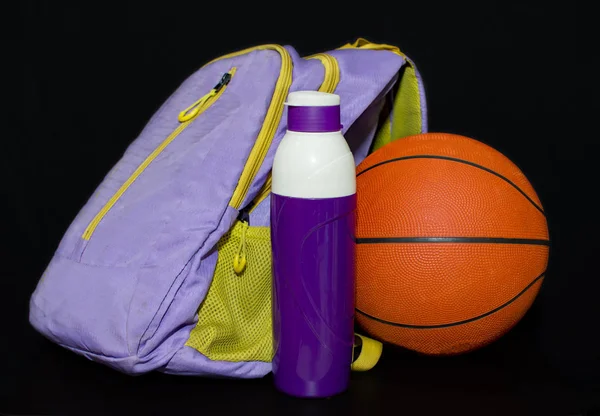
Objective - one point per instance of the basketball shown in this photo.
(452, 244)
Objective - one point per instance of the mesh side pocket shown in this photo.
(234, 321)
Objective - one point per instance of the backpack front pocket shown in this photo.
(186, 117)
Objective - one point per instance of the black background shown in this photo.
(83, 80)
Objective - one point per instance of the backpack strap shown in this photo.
(369, 354)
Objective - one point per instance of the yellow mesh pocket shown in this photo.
(234, 321)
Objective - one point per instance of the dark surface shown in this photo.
(514, 75)
(510, 377)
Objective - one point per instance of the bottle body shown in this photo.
(313, 294)
(313, 206)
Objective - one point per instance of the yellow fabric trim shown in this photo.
(369, 355)
(407, 120)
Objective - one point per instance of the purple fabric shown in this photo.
(128, 297)
(313, 293)
(189, 362)
(314, 119)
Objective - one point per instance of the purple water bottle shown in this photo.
(312, 235)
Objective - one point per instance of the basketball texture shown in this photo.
(452, 244)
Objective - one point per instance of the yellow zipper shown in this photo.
(330, 83)
(332, 72)
(269, 127)
(263, 193)
(186, 117)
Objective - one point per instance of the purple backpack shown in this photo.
(168, 265)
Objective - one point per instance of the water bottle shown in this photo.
(313, 206)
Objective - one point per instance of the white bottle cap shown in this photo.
(312, 99)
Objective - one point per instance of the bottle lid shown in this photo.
(313, 112)
(312, 99)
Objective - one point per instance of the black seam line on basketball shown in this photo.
(466, 321)
(466, 162)
(484, 240)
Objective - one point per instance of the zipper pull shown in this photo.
(193, 110)
(239, 261)
(224, 81)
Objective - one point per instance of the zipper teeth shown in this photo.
(330, 83)
(332, 68)
(113, 199)
(87, 234)
(264, 191)
(268, 130)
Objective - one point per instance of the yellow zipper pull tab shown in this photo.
(239, 261)
(193, 110)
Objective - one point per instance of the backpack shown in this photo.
(168, 265)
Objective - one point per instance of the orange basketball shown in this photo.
(452, 244)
